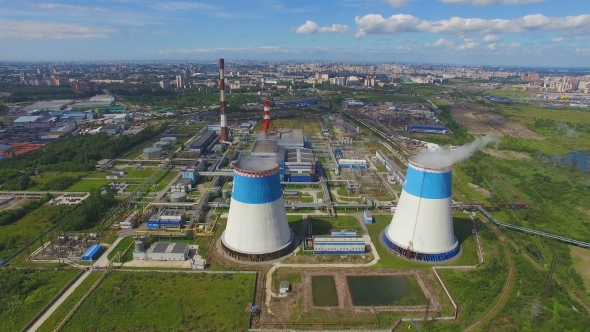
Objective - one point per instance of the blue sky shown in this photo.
(496, 32)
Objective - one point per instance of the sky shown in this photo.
(554, 33)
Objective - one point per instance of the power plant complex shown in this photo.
(257, 226)
(422, 226)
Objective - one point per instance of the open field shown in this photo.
(120, 248)
(581, 260)
(396, 98)
(45, 177)
(58, 315)
(179, 301)
(25, 292)
(309, 127)
(480, 120)
(14, 236)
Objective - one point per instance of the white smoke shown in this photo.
(444, 158)
(254, 164)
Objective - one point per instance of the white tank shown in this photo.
(152, 153)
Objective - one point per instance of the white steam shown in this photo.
(254, 164)
(444, 158)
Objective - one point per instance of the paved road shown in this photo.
(59, 301)
(102, 261)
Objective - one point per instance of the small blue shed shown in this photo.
(92, 253)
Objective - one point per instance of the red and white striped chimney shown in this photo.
(266, 116)
(223, 124)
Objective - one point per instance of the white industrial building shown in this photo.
(422, 226)
(338, 245)
(111, 129)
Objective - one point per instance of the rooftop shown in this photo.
(265, 146)
(54, 104)
(287, 137)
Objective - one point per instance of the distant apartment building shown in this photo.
(83, 86)
(165, 84)
(179, 81)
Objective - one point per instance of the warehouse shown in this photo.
(191, 171)
(338, 245)
(169, 219)
(163, 251)
(206, 142)
(289, 138)
(92, 253)
(426, 128)
(111, 129)
(352, 163)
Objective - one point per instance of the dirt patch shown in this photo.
(583, 265)
(479, 120)
(481, 190)
(504, 154)
(13, 204)
(584, 211)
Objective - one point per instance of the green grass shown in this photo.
(179, 301)
(295, 223)
(58, 315)
(165, 180)
(14, 236)
(132, 173)
(322, 226)
(25, 292)
(45, 177)
(120, 248)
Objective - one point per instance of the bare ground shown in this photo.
(14, 204)
(504, 154)
(481, 121)
(481, 190)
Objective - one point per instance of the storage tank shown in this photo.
(172, 140)
(226, 193)
(177, 197)
(139, 246)
(152, 153)
(164, 145)
(422, 226)
(257, 227)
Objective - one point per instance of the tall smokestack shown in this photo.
(266, 117)
(224, 132)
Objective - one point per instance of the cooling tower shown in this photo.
(422, 226)
(257, 227)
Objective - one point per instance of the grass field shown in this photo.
(396, 98)
(14, 236)
(322, 226)
(310, 128)
(165, 180)
(177, 301)
(58, 315)
(120, 248)
(132, 173)
(25, 292)
(45, 177)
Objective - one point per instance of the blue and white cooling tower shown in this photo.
(422, 226)
(257, 226)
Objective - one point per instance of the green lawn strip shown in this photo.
(322, 226)
(183, 301)
(25, 292)
(60, 313)
(120, 248)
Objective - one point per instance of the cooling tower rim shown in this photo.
(441, 169)
(262, 167)
(405, 246)
(291, 239)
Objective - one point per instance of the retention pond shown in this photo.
(324, 291)
(385, 290)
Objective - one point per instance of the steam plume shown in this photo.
(444, 158)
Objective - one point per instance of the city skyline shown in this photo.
(479, 32)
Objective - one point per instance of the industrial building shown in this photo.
(368, 217)
(129, 222)
(288, 138)
(295, 164)
(167, 219)
(338, 245)
(426, 128)
(422, 226)
(257, 226)
(352, 163)
(383, 158)
(181, 185)
(152, 153)
(206, 142)
(92, 253)
(161, 251)
(191, 171)
(111, 129)
(49, 106)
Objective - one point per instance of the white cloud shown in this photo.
(489, 2)
(441, 43)
(44, 30)
(311, 27)
(397, 3)
(468, 44)
(557, 40)
(514, 45)
(375, 24)
(492, 47)
(490, 39)
(161, 32)
(51, 5)
(182, 5)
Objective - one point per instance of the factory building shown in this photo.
(257, 227)
(152, 153)
(426, 128)
(181, 185)
(338, 245)
(295, 164)
(167, 219)
(352, 163)
(422, 226)
(206, 142)
(48, 106)
(161, 251)
(383, 158)
(191, 171)
(288, 138)
(368, 217)
(111, 129)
